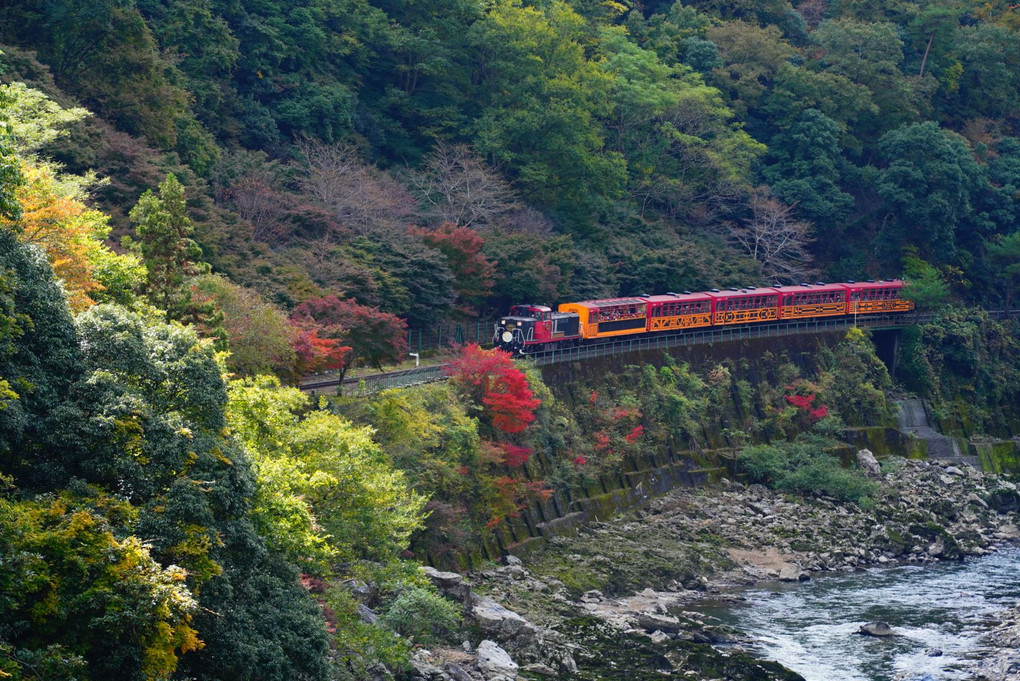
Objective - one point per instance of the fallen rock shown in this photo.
(867, 461)
(494, 662)
(366, 614)
(876, 628)
(505, 624)
(442, 580)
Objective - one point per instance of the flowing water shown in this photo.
(945, 608)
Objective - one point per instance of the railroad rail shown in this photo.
(365, 385)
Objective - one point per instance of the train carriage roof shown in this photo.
(742, 293)
(610, 302)
(802, 288)
(885, 283)
(677, 297)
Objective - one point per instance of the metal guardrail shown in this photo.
(372, 383)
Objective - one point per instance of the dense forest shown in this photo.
(202, 201)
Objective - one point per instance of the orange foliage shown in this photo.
(67, 229)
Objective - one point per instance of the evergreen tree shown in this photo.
(171, 256)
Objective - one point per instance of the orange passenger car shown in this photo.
(611, 317)
(873, 297)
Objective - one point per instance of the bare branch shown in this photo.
(457, 186)
(360, 196)
(776, 240)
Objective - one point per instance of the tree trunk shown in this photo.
(927, 49)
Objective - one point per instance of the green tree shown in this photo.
(1005, 255)
(171, 256)
(39, 355)
(103, 52)
(989, 73)
(752, 57)
(924, 284)
(259, 333)
(805, 168)
(10, 175)
(854, 382)
(682, 148)
(76, 597)
(542, 100)
(927, 187)
(324, 487)
(871, 54)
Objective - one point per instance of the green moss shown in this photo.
(1000, 457)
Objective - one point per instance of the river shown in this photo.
(939, 613)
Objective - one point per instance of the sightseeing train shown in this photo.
(529, 328)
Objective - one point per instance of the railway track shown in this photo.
(371, 383)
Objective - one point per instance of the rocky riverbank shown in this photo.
(610, 601)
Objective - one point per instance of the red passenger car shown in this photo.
(876, 297)
(742, 306)
(812, 300)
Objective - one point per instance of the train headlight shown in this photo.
(507, 336)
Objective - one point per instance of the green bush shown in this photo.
(422, 614)
(804, 467)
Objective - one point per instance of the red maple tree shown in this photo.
(462, 247)
(373, 337)
(490, 378)
(315, 353)
(805, 403)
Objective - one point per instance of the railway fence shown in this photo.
(369, 384)
(449, 335)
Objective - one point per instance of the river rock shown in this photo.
(867, 461)
(793, 573)
(494, 662)
(876, 628)
(652, 622)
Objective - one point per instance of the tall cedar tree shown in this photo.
(490, 378)
(171, 256)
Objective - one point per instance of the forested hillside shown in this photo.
(568, 149)
(203, 201)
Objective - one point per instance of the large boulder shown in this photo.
(504, 624)
(495, 663)
(652, 622)
(793, 573)
(868, 463)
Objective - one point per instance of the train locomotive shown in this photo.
(529, 327)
